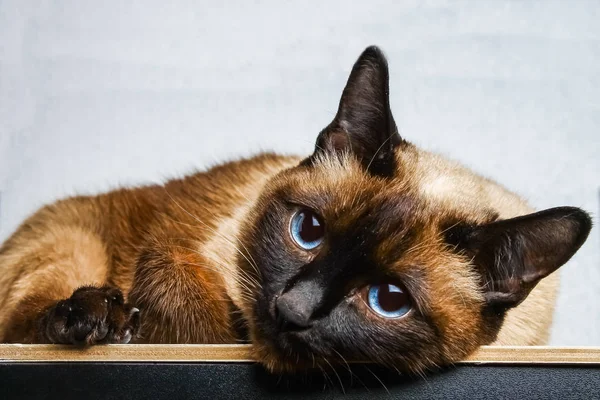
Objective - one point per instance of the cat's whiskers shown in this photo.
(380, 147)
(326, 376)
(279, 379)
(196, 240)
(459, 291)
(450, 227)
(245, 255)
(252, 263)
(214, 231)
(379, 380)
(423, 246)
(225, 267)
(421, 373)
(336, 374)
(318, 147)
(347, 367)
(247, 278)
(220, 336)
(245, 196)
(244, 282)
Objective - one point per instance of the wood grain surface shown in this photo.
(241, 353)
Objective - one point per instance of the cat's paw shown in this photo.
(92, 315)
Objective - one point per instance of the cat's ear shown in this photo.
(513, 255)
(364, 125)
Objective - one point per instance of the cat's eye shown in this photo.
(388, 300)
(307, 229)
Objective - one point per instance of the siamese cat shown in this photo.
(369, 249)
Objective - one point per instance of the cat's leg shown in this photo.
(46, 295)
(181, 296)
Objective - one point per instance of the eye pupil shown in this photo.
(311, 228)
(307, 229)
(391, 298)
(388, 300)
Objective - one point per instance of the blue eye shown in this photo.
(307, 230)
(389, 301)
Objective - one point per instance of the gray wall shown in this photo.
(97, 94)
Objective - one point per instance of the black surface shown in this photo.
(247, 381)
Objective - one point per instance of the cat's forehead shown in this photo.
(395, 207)
(340, 190)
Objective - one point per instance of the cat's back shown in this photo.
(115, 225)
(202, 195)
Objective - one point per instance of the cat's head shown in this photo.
(356, 260)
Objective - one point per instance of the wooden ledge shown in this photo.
(19, 353)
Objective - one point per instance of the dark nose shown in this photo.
(292, 313)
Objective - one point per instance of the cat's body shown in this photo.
(203, 257)
(105, 236)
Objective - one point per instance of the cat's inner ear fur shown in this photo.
(364, 125)
(513, 255)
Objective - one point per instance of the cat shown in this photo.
(369, 249)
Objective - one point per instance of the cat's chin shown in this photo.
(286, 352)
(275, 362)
(278, 355)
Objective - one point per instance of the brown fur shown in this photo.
(186, 253)
(452, 290)
(145, 241)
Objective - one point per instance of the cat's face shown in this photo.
(354, 262)
(356, 266)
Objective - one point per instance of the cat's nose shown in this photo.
(291, 313)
